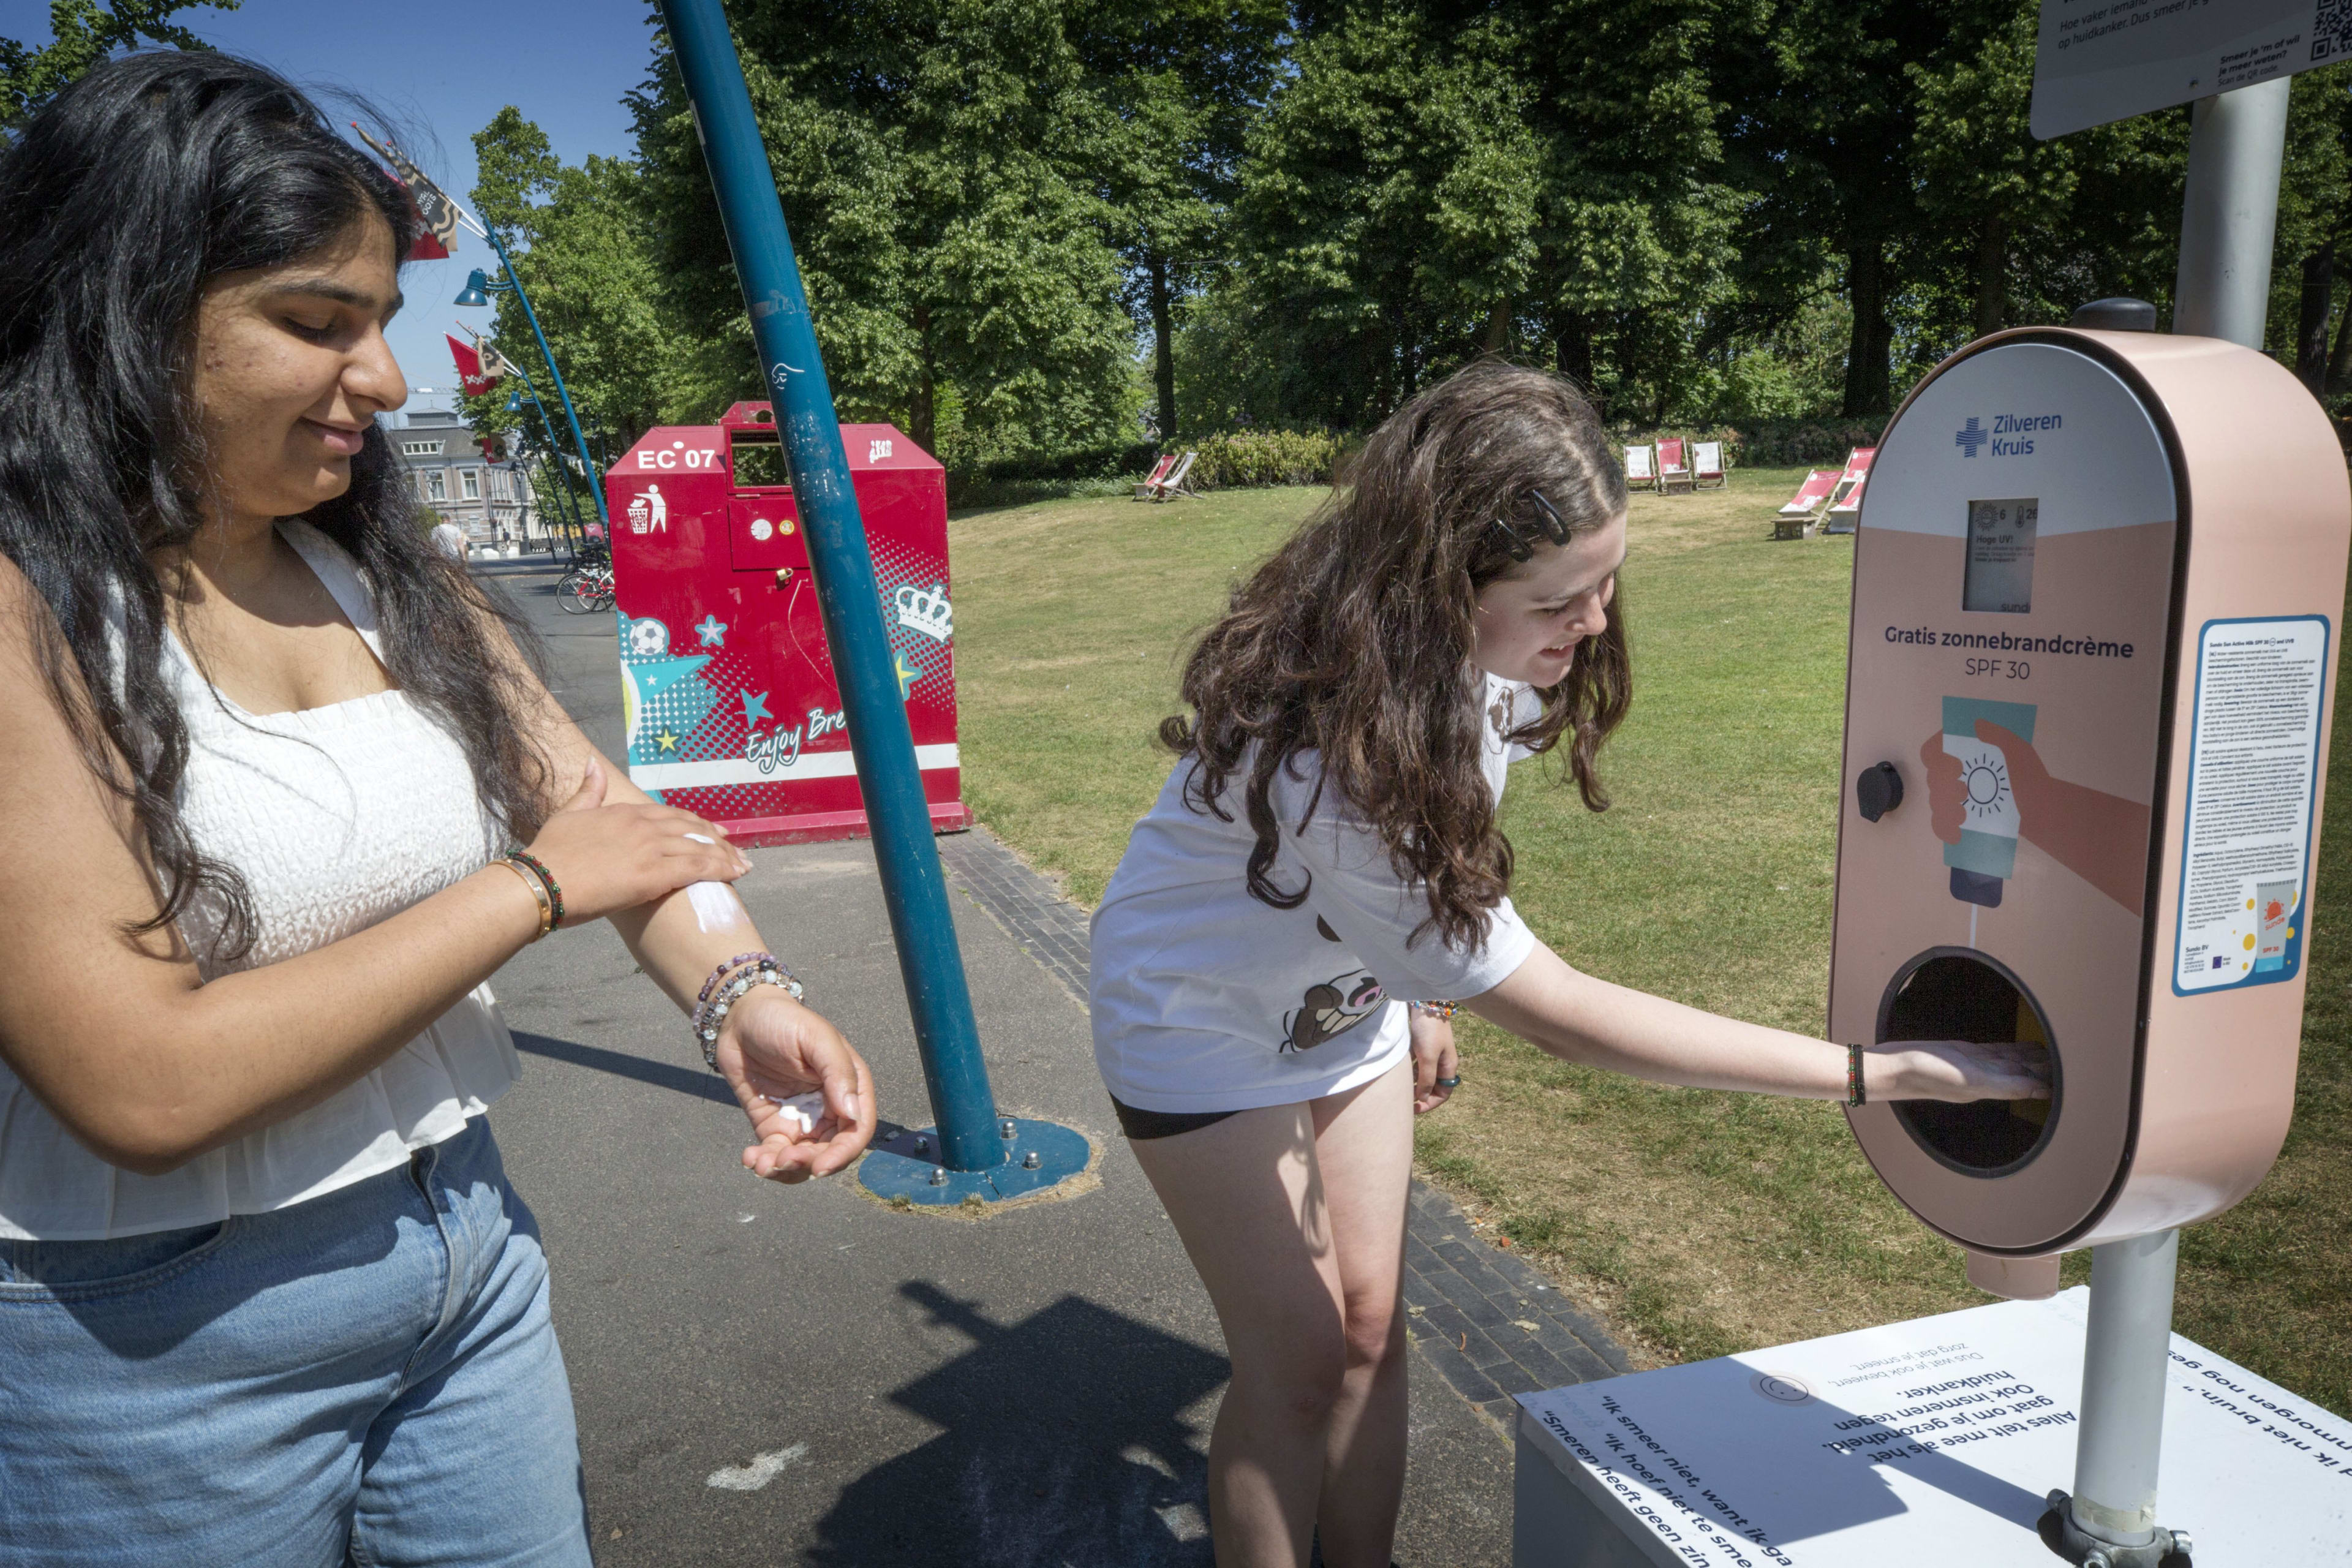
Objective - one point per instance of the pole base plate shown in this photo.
(2072, 1542)
(1038, 1157)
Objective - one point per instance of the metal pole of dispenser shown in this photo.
(2229, 215)
(2127, 1347)
(914, 887)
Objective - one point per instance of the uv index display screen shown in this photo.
(2000, 575)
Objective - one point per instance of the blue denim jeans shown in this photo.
(369, 1377)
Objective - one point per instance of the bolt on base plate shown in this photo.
(2169, 1549)
(1036, 1157)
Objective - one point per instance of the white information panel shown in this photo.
(2253, 777)
(1930, 1442)
(2098, 60)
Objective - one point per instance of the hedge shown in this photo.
(1241, 458)
(1780, 444)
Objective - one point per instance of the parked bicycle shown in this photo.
(587, 587)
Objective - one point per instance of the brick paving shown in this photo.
(1485, 1321)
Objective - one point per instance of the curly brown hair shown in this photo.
(1354, 640)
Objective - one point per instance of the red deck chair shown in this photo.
(1159, 474)
(1674, 468)
(1795, 519)
(1846, 506)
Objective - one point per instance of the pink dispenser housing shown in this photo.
(2097, 589)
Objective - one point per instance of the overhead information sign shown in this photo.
(2100, 60)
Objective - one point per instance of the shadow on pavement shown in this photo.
(661, 1075)
(1065, 1441)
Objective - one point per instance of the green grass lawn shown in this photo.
(1700, 1222)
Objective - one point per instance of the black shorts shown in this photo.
(1140, 1124)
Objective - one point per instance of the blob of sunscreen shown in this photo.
(715, 907)
(800, 1112)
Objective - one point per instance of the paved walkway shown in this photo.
(800, 1376)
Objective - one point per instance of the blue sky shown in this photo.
(443, 68)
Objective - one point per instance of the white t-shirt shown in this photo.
(449, 540)
(1205, 999)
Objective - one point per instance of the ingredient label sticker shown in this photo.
(2254, 774)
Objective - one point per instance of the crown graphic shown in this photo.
(926, 610)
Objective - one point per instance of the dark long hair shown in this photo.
(1354, 640)
(122, 197)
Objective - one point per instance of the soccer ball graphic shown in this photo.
(648, 639)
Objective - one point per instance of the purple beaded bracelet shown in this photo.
(726, 969)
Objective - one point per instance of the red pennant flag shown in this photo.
(469, 367)
(436, 212)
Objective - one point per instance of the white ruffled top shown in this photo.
(338, 816)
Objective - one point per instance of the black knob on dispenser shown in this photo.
(1877, 791)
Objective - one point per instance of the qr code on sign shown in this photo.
(2331, 30)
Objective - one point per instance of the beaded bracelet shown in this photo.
(538, 895)
(554, 892)
(726, 969)
(1853, 1095)
(711, 1016)
(1445, 1010)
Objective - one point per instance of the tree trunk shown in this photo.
(2339, 363)
(1868, 379)
(1163, 353)
(1992, 275)
(1571, 348)
(1497, 335)
(2318, 296)
(923, 415)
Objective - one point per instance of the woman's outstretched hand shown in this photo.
(1956, 1071)
(610, 857)
(772, 1048)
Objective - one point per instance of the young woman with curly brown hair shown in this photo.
(1322, 879)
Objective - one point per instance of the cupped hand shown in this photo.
(1958, 1071)
(1433, 1057)
(609, 857)
(772, 1048)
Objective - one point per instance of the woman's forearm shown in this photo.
(679, 940)
(252, 1049)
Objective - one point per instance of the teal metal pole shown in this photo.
(579, 442)
(913, 886)
(567, 509)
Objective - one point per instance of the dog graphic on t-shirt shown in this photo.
(1331, 1007)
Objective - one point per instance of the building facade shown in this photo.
(443, 462)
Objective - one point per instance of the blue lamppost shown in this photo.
(479, 288)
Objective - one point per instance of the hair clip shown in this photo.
(1555, 528)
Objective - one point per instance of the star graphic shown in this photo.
(668, 742)
(755, 707)
(713, 632)
(906, 678)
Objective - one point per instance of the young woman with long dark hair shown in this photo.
(266, 1295)
(1326, 852)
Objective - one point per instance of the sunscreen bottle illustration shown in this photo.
(1986, 856)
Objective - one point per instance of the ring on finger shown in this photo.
(1453, 1082)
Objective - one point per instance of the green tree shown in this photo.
(934, 158)
(1175, 85)
(82, 34)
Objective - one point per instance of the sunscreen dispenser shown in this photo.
(2095, 596)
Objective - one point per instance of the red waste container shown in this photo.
(727, 685)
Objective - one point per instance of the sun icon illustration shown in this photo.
(1988, 781)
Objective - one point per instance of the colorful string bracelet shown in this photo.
(539, 868)
(1853, 1095)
